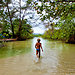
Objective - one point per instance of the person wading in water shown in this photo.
(38, 46)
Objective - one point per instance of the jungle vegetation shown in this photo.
(12, 21)
(61, 11)
(58, 17)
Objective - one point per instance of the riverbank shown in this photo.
(8, 40)
(70, 41)
(2, 44)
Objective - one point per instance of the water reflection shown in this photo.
(57, 59)
(15, 48)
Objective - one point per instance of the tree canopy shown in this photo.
(63, 11)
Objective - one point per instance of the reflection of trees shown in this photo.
(15, 48)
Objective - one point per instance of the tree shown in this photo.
(64, 11)
(53, 10)
(26, 31)
(10, 16)
(7, 13)
(22, 15)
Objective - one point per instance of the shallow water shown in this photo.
(18, 58)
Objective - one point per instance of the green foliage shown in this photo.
(54, 10)
(66, 27)
(65, 11)
(1, 36)
(26, 31)
(37, 35)
(29, 1)
(66, 31)
(10, 21)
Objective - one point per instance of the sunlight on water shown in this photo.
(18, 58)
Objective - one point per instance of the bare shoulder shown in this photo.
(40, 43)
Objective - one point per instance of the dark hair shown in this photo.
(38, 40)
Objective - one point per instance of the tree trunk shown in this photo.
(12, 27)
(72, 39)
(20, 24)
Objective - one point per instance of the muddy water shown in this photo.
(18, 58)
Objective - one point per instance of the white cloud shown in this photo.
(38, 30)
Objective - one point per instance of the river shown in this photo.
(18, 58)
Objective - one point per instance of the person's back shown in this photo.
(38, 46)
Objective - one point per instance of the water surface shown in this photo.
(18, 58)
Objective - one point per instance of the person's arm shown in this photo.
(41, 48)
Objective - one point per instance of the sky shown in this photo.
(37, 25)
(38, 30)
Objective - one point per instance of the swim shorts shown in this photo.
(37, 49)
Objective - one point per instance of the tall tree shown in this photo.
(10, 16)
(6, 14)
(22, 8)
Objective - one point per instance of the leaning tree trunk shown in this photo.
(12, 27)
